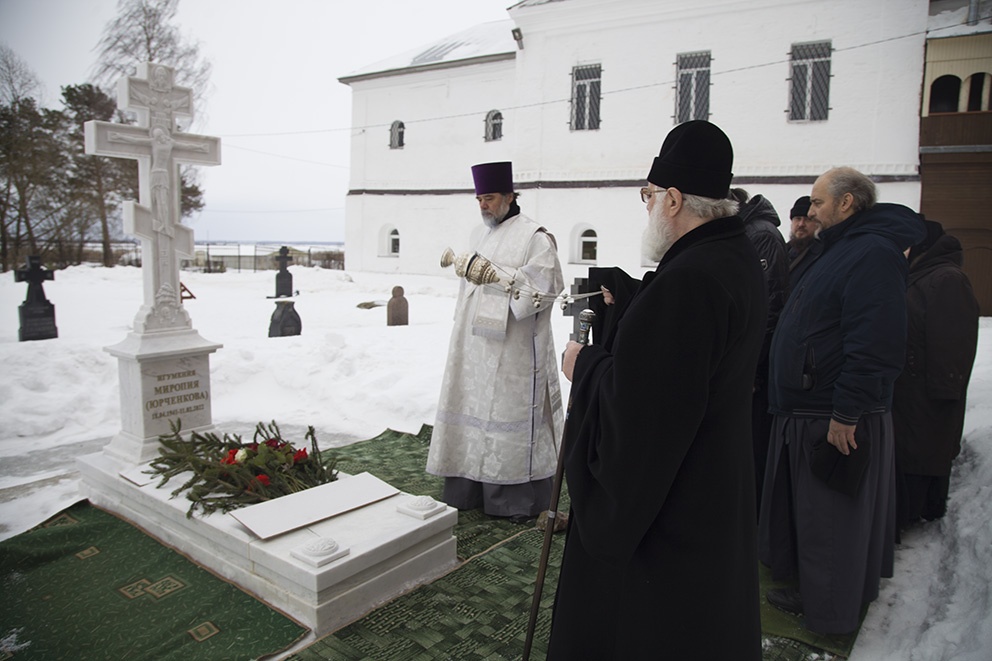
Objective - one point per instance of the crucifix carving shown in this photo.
(159, 147)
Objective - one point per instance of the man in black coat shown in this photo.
(761, 225)
(828, 508)
(929, 401)
(660, 560)
(802, 247)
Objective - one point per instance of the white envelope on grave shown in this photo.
(300, 509)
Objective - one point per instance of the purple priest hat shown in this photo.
(493, 177)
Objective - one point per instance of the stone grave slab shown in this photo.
(386, 553)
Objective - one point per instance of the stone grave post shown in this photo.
(572, 308)
(163, 363)
(397, 309)
(284, 279)
(37, 313)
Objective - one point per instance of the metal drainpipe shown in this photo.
(973, 12)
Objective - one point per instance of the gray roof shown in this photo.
(485, 41)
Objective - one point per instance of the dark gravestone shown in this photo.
(573, 307)
(285, 320)
(36, 312)
(398, 309)
(284, 279)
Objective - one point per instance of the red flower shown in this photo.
(273, 443)
(263, 480)
(229, 459)
(301, 455)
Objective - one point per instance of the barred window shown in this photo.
(394, 242)
(494, 125)
(585, 97)
(692, 86)
(396, 135)
(809, 93)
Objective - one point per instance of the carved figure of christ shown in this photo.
(159, 150)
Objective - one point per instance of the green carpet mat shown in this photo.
(87, 585)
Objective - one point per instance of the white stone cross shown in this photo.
(159, 147)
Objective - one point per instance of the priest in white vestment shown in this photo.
(499, 418)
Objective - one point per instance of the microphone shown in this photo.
(586, 317)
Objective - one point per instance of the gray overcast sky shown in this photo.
(275, 69)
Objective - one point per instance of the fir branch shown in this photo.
(226, 473)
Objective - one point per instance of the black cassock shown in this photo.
(660, 559)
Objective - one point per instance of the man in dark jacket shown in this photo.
(929, 401)
(802, 247)
(761, 227)
(661, 549)
(828, 509)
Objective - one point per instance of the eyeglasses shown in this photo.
(646, 193)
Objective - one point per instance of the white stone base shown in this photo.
(386, 553)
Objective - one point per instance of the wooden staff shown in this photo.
(586, 318)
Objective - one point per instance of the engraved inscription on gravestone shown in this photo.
(37, 313)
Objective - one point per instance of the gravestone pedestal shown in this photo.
(383, 549)
(37, 322)
(285, 321)
(163, 376)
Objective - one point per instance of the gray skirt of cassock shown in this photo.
(837, 545)
(524, 500)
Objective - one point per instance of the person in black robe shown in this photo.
(929, 401)
(660, 557)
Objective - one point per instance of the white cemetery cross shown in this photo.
(159, 149)
(163, 363)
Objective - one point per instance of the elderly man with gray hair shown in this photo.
(828, 508)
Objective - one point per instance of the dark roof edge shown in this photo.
(619, 183)
(482, 59)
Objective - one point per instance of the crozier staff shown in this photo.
(500, 413)
(660, 560)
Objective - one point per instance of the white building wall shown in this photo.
(430, 178)
(873, 124)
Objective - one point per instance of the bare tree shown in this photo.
(143, 32)
(17, 80)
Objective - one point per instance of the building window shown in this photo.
(587, 246)
(692, 86)
(944, 94)
(494, 125)
(396, 135)
(394, 242)
(585, 97)
(809, 93)
(978, 92)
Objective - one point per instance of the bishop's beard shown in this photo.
(658, 236)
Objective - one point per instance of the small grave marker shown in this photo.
(37, 313)
(398, 309)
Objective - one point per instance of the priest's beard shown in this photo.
(492, 219)
(658, 236)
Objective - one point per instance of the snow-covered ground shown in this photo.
(351, 376)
